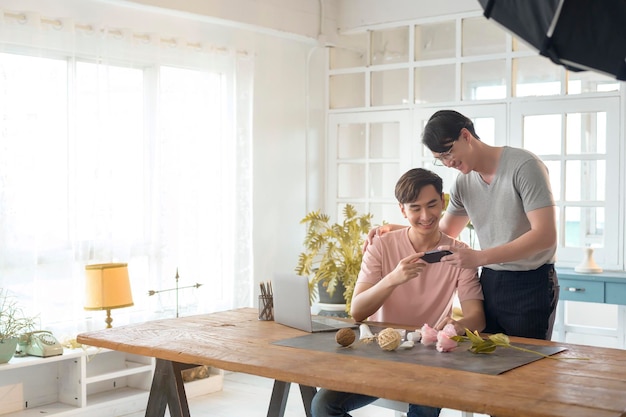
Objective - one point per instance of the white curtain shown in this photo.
(118, 146)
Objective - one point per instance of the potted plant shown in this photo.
(12, 324)
(333, 252)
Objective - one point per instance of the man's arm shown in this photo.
(473, 317)
(368, 298)
(366, 301)
(541, 236)
(452, 225)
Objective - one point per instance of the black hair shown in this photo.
(411, 183)
(444, 128)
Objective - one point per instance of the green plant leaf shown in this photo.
(13, 321)
(333, 251)
(480, 345)
(486, 346)
(473, 337)
(500, 339)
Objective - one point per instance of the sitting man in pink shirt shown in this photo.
(396, 286)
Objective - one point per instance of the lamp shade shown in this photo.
(107, 287)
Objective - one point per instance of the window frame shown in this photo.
(610, 255)
(403, 162)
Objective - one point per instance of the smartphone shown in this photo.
(435, 255)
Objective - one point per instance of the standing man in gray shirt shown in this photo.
(505, 192)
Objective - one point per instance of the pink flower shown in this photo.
(429, 335)
(444, 343)
(449, 330)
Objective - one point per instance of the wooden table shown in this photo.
(237, 341)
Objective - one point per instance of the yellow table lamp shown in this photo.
(107, 287)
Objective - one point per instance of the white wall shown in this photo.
(280, 151)
(297, 17)
(354, 14)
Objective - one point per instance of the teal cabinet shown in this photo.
(615, 293)
(581, 290)
(605, 288)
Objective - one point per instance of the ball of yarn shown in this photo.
(389, 339)
(345, 337)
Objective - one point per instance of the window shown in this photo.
(107, 160)
(365, 161)
(570, 136)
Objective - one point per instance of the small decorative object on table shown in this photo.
(266, 302)
(345, 337)
(588, 265)
(389, 339)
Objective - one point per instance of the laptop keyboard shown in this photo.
(326, 323)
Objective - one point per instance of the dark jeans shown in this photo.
(327, 403)
(520, 303)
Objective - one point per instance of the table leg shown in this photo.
(168, 389)
(278, 401)
(307, 396)
(280, 393)
(559, 331)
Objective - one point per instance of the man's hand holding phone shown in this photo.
(463, 257)
(435, 255)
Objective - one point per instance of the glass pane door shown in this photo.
(367, 153)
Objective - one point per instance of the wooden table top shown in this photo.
(237, 341)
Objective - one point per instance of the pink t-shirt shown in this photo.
(425, 299)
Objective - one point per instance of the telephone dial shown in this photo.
(43, 343)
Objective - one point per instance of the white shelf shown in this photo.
(53, 409)
(84, 382)
(117, 394)
(19, 362)
(133, 368)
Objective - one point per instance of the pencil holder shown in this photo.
(266, 307)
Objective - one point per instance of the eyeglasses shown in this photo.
(444, 156)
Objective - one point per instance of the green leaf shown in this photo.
(500, 339)
(333, 251)
(480, 345)
(486, 346)
(473, 337)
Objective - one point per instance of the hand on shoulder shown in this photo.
(380, 230)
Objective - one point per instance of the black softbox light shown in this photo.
(578, 34)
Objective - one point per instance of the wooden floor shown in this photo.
(248, 396)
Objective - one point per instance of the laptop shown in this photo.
(292, 306)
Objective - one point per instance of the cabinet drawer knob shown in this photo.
(574, 289)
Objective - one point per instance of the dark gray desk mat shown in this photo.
(500, 361)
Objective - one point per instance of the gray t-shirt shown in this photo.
(498, 210)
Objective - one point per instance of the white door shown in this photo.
(367, 153)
